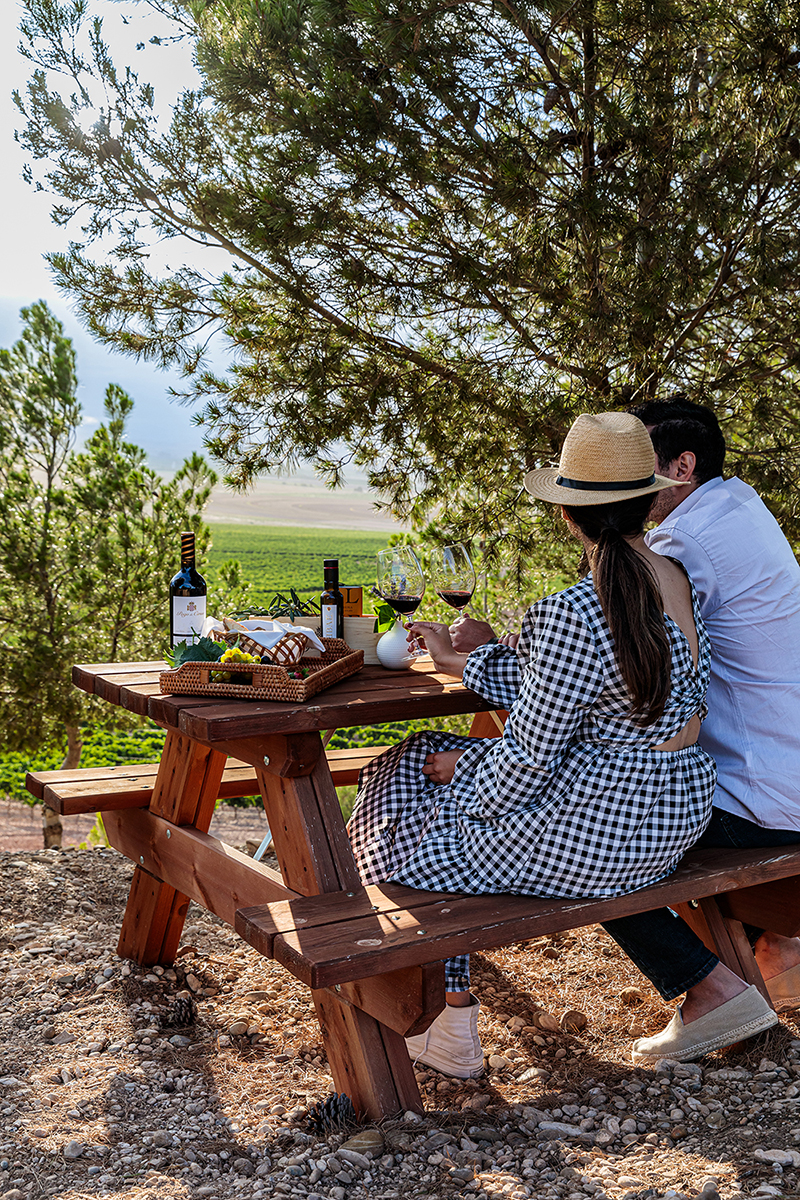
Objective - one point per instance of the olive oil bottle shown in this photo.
(331, 602)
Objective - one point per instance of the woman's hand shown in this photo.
(433, 629)
(440, 767)
(467, 634)
(435, 636)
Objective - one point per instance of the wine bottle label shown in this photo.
(328, 612)
(188, 615)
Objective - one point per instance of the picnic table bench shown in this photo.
(105, 789)
(371, 956)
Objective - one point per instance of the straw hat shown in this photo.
(605, 457)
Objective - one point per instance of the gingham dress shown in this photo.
(572, 800)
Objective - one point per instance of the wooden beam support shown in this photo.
(153, 910)
(369, 1060)
(308, 831)
(185, 792)
(188, 782)
(291, 757)
(488, 724)
(200, 866)
(692, 914)
(732, 947)
(406, 1001)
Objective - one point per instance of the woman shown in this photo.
(597, 786)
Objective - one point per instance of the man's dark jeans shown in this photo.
(663, 946)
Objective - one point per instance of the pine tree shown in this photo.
(450, 228)
(87, 540)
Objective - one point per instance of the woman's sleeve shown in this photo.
(563, 676)
(493, 671)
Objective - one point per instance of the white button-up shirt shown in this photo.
(748, 584)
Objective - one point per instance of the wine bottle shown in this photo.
(187, 597)
(331, 602)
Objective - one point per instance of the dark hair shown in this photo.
(677, 424)
(631, 601)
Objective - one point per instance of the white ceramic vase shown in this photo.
(392, 649)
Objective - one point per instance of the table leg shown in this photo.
(369, 1062)
(186, 790)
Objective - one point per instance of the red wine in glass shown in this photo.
(403, 604)
(453, 575)
(458, 600)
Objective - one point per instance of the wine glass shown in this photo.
(453, 575)
(400, 581)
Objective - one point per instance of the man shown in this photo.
(748, 585)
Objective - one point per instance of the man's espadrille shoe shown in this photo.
(742, 1017)
(784, 989)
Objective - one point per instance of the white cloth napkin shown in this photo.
(263, 631)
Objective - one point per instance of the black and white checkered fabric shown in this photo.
(571, 800)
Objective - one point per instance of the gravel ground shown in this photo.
(100, 1095)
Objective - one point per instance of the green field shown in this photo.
(273, 558)
(278, 557)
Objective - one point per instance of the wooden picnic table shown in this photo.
(371, 957)
(362, 1022)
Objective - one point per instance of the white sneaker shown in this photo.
(451, 1044)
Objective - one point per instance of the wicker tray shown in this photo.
(266, 682)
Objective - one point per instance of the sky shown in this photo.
(159, 424)
(162, 426)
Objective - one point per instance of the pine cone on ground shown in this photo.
(182, 1011)
(331, 1115)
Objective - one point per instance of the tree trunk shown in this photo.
(51, 822)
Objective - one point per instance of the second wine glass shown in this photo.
(453, 575)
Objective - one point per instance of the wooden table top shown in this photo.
(371, 697)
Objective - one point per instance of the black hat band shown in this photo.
(589, 485)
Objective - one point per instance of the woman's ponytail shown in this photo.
(631, 601)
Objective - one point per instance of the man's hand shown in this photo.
(510, 639)
(467, 634)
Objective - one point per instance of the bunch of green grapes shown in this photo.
(234, 655)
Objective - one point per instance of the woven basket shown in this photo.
(264, 681)
(285, 653)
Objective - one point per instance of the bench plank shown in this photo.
(410, 926)
(90, 778)
(105, 789)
